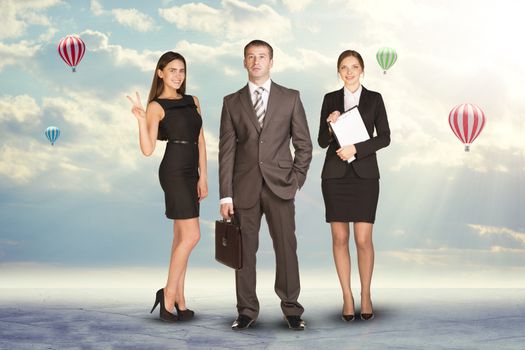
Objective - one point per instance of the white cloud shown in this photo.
(96, 8)
(234, 20)
(499, 231)
(505, 248)
(10, 24)
(17, 54)
(21, 109)
(303, 60)
(16, 16)
(134, 19)
(421, 256)
(23, 161)
(212, 146)
(20, 155)
(145, 60)
(296, 5)
(36, 18)
(500, 249)
(129, 17)
(48, 35)
(446, 258)
(97, 145)
(195, 16)
(202, 53)
(96, 40)
(231, 72)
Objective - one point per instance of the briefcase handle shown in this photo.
(231, 220)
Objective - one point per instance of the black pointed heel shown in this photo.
(370, 316)
(367, 317)
(184, 315)
(164, 314)
(351, 317)
(157, 301)
(348, 318)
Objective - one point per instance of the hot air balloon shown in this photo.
(71, 49)
(466, 121)
(52, 133)
(386, 57)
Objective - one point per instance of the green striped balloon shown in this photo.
(386, 57)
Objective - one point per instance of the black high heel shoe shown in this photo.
(368, 317)
(164, 314)
(184, 315)
(348, 318)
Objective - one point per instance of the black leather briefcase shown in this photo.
(228, 244)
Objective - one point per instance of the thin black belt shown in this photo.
(183, 142)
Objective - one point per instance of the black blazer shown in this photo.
(372, 110)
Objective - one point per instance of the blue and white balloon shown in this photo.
(52, 133)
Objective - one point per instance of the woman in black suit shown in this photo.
(351, 190)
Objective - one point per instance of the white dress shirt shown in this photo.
(265, 95)
(352, 98)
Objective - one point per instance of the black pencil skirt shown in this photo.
(350, 198)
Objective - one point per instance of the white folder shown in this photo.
(349, 129)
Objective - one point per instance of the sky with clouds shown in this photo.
(94, 201)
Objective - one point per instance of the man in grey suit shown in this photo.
(258, 175)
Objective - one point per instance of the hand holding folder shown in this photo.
(349, 129)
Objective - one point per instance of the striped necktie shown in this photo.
(258, 106)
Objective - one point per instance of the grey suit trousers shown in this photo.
(280, 216)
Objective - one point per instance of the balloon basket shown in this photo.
(74, 69)
(467, 148)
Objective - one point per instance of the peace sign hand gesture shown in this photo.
(137, 108)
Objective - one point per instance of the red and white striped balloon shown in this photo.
(466, 121)
(71, 49)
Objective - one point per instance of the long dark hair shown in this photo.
(157, 85)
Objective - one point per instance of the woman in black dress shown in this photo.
(351, 190)
(173, 116)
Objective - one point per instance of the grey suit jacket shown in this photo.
(248, 154)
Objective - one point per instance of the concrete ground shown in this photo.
(55, 318)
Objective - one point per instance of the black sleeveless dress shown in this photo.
(179, 169)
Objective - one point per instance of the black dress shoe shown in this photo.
(242, 322)
(295, 322)
(184, 315)
(164, 314)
